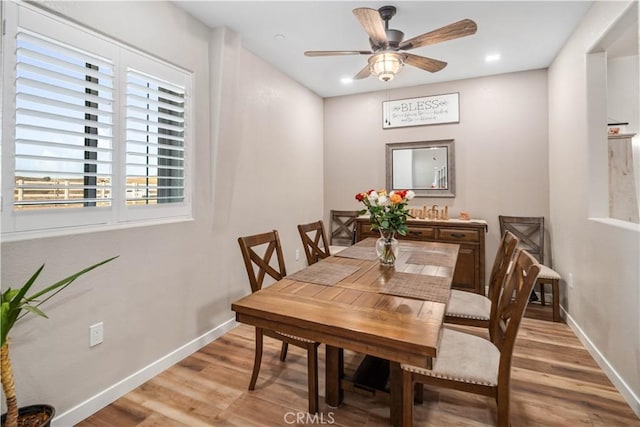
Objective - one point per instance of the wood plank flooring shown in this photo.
(555, 382)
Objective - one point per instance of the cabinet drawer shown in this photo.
(420, 233)
(458, 235)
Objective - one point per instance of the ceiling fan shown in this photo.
(388, 51)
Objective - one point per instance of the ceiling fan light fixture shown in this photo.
(386, 65)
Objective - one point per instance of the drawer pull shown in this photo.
(458, 235)
(415, 233)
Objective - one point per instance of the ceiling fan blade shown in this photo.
(363, 74)
(372, 24)
(336, 52)
(463, 28)
(424, 63)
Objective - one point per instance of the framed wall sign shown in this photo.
(426, 110)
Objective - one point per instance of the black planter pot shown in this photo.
(34, 409)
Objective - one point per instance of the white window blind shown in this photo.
(64, 126)
(101, 130)
(155, 168)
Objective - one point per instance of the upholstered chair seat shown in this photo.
(468, 305)
(471, 309)
(547, 273)
(458, 360)
(295, 337)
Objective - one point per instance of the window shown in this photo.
(64, 126)
(100, 133)
(155, 141)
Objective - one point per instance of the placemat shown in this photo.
(358, 252)
(442, 248)
(428, 288)
(429, 258)
(324, 273)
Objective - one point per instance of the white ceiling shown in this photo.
(527, 35)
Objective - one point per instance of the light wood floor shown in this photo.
(555, 382)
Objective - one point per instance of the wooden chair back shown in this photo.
(314, 241)
(259, 266)
(343, 227)
(512, 303)
(529, 230)
(504, 256)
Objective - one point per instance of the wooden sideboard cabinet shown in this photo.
(470, 269)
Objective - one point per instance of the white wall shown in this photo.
(268, 157)
(604, 304)
(258, 166)
(623, 89)
(501, 147)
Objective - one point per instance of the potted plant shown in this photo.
(15, 305)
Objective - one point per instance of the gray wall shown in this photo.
(258, 166)
(501, 147)
(602, 255)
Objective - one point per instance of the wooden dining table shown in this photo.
(349, 301)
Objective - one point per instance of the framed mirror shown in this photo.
(427, 168)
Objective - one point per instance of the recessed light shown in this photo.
(279, 37)
(493, 57)
(346, 80)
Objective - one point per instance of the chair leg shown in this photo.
(556, 300)
(502, 400)
(407, 399)
(312, 376)
(542, 301)
(257, 360)
(283, 351)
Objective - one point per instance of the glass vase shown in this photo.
(387, 248)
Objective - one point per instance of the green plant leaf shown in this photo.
(9, 294)
(34, 310)
(15, 304)
(4, 321)
(17, 298)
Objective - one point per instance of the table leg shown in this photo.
(395, 393)
(334, 357)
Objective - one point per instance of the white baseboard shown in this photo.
(109, 395)
(619, 383)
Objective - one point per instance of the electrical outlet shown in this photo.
(297, 254)
(96, 334)
(570, 280)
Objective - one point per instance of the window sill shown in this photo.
(626, 225)
(71, 231)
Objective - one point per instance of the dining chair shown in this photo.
(530, 231)
(314, 241)
(472, 309)
(474, 364)
(271, 263)
(343, 229)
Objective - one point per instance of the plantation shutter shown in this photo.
(155, 140)
(64, 126)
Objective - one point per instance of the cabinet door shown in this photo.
(465, 276)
